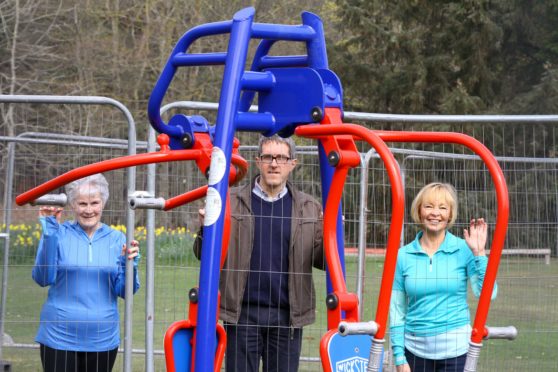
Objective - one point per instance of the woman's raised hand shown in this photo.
(48, 211)
(476, 236)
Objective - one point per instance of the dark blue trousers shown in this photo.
(419, 364)
(262, 334)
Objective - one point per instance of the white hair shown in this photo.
(96, 182)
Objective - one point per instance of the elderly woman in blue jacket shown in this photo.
(429, 315)
(83, 262)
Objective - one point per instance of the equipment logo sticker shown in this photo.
(217, 166)
(355, 364)
(213, 206)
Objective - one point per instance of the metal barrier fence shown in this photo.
(131, 180)
(532, 176)
(169, 268)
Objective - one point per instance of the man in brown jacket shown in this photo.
(267, 291)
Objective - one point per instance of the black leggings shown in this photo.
(54, 360)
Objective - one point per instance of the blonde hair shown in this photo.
(435, 190)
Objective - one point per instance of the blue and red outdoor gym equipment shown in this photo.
(296, 95)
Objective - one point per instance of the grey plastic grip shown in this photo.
(51, 199)
(473, 355)
(375, 359)
(147, 203)
(502, 333)
(359, 328)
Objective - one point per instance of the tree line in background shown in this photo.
(409, 57)
(428, 57)
(454, 57)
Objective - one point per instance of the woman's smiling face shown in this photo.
(88, 209)
(435, 214)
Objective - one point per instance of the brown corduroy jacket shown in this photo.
(305, 251)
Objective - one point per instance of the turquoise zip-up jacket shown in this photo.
(429, 296)
(85, 277)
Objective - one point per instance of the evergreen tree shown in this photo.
(448, 57)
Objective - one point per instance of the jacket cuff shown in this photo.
(49, 225)
(400, 359)
(399, 356)
(122, 261)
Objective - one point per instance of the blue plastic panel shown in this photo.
(296, 92)
(182, 349)
(349, 353)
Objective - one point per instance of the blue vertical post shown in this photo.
(316, 48)
(317, 59)
(218, 187)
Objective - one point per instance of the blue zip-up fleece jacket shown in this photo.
(429, 314)
(85, 277)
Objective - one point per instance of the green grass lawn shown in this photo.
(527, 299)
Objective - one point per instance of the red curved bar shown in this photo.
(398, 206)
(104, 166)
(187, 324)
(347, 302)
(324, 356)
(167, 342)
(235, 176)
(221, 347)
(241, 167)
(330, 229)
(502, 215)
(185, 198)
(133, 160)
(226, 232)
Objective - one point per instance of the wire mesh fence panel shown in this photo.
(71, 137)
(527, 295)
(477, 199)
(177, 268)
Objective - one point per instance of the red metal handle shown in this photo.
(104, 166)
(185, 198)
(398, 206)
(330, 229)
(236, 174)
(164, 155)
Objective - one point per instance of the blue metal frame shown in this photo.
(304, 79)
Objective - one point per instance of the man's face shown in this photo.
(275, 165)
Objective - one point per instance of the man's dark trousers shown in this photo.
(262, 333)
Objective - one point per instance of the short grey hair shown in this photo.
(96, 181)
(278, 139)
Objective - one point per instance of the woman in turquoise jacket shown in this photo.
(429, 316)
(83, 262)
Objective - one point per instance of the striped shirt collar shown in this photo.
(259, 191)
